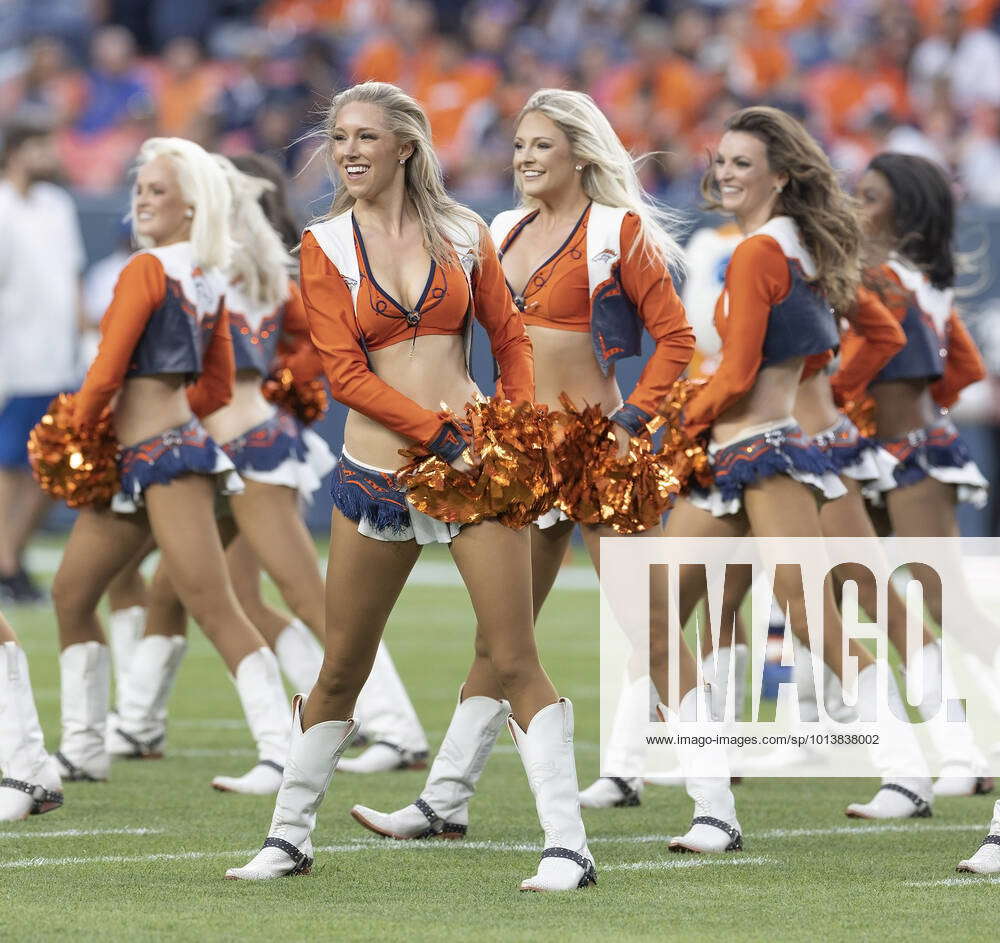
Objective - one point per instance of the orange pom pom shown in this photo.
(305, 399)
(686, 454)
(630, 494)
(79, 468)
(862, 414)
(513, 482)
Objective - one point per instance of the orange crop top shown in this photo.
(558, 296)
(757, 278)
(139, 292)
(343, 335)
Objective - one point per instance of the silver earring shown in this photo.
(778, 188)
(402, 160)
(189, 213)
(579, 166)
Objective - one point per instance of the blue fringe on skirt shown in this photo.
(373, 496)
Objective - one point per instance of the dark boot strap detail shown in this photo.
(302, 861)
(589, 871)
(39, 794)
(273, 765)
(630, 796)
(73, 772)
(923, 806)
(140, 747)
(737, 839)
(437, 824)
(988, 840)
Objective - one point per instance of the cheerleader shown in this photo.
(280, 462)
(166, 325)
(29, 777)
(389, 278)
(798, 259)
(605, 253)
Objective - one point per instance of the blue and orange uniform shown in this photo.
(769, 312)
(167, 316)
(940, 351)
(279, 450)
(346, 325)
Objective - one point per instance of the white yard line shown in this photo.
(862, 830)
(661, 865)
(970, 881)
(83, 832)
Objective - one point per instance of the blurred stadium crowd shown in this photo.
(238, 75)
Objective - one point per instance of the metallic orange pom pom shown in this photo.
(630, 494)
(862, 414)
(81, 469)
(686, 454)
(305, 399)
(513, 482)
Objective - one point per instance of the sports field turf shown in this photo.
(142, 857)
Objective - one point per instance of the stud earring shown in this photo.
(579, 166)
(778, 188)
(402, 160)
(189, 213)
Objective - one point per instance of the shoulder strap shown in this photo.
(604, 237)
(336, 238)
(504, 223)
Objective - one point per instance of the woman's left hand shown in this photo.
(622, 437)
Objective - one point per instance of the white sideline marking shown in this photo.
(660, 865)
(84, 832)
(862, 830)
(980, 879)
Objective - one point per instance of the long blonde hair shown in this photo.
(610, 173)
(823, 212)
(442, 219)
(260, 265)
(204, 186)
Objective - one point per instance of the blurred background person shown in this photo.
(41, 257)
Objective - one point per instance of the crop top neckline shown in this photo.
(412, 315)
(518, 296)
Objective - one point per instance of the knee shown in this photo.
(71, 598)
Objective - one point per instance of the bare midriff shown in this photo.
(902, 406)
(150, 405)
(771, 398)
(815, 409)
(246, 409)
(431, 372)
(565, 363)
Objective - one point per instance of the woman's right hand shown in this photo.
(467, 461)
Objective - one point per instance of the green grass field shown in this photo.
(142, 857)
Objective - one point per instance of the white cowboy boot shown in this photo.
(299, 654)
(388, 722)
(258, 683)
(29, 783)
(723, 672)
(85, 671)
(906, 783)
(309, 767)
(442, 808)
(624, 755)
(714, 827)
(986, 860)
(140, 731)
(963, 767)
(125, 628)
(546, 750)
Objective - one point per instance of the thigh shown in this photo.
(924, 509)
(182, 518)
(780, 506)
(268, 518)
(364, 578)
(847, 516)
(99, 545)
(495, 563)
(244, 568)
(548, 550)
